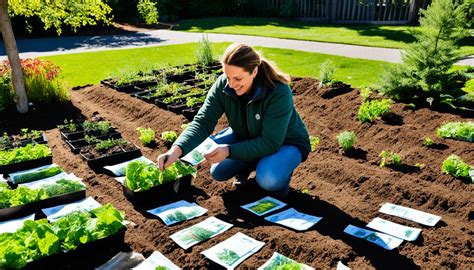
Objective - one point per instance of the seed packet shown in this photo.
(278, 261)
(410, 214)
(384, 240)
(196, 155)
(177, 212)
(17, 176)
(264, 206)
(294, 219)
(394, 229)
(57, 212)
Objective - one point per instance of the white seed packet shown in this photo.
(11, 226)
(202, 231)
(294, 219)
(264, 206)
(121, 180)
(156, 260)
(384, 240)
(57, 212)
(119, 169)
(278, 260)
(394, 229)
(196, 155)
(471, 173)
(177, 212)
(410, 214)
(2, 179)
(341, 266)
(16, 174)
(51, 180)
(234, 250)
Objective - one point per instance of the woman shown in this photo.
(265, 132)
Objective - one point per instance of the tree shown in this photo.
(55, 13)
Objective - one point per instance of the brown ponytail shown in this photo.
(246, 57)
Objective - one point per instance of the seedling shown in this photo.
(428, 142)
(68, 126)
(457, 130)
(326, 73)
(104, 145)
(370, 110)
(147, 136)
(314, 141)
(346, 140)
(101, 127)
(389, 158)
(455, 166)
(169, 136)
(365, 93)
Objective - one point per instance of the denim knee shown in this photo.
(271, 181)
(218, 173)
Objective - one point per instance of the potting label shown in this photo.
(15, 176)
(119, 169)
(196, 155)
(52, 180)
(234, 250)
(341, 266)
(204, 230)
(11, 226)
(410, 214)
(156, 261)
(384, 240)
(57, 212)
(394, 229)
(264, 206)
(177, 212)
(294, 219)
(278, 261)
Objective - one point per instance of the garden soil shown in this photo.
(342, 189)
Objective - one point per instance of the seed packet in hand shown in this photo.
(196, 155)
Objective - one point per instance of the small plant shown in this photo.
(68, 126)
(5, 142)
(90, 139)
(192, 101)
(370, 110)
(30, 134)
(314, 141)
(428, 142)
(101, 127)
(326, 73)
(455, 166)
(365, 93)
(204, 51)
(346, 140)
(457, 130)
(169, 136)
(104, 145)
(420, 165)
(389, 158)
(147, 136)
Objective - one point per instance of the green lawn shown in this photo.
(91, 67)
(365, 35)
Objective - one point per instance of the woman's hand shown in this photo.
(218, 154)
(168, 158)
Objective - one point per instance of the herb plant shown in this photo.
(326, 73)
(457, 130)
(101, 127)
(370, 110)
(314, 141)
(147, 135)
(389, 158)
(455, 166)
(169, 136)
(346, 140)
(428, 142)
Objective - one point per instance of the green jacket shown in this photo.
(268, 121)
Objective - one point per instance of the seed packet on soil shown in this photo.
(57, 212)
(202, 231)
(196, 155)
(157, 261)
(384, 240)
(18, 175)
(341, 266)
(294, 219)
(410, 214)
(394, 229)
(278, 261)
(177, 212)
(11, 226)
(119, 169)
(264, 206)
(51, 180)
(234, 250)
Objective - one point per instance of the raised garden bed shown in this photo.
(77, 145)
(97, 160)
(166, 190)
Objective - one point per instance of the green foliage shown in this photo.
(281, 262)
(147, 135)
(263, 206)
(68, 126)
(427, 141)
(389, 158)
(346, 140)
(326, 73)
(169, 136)
(469, 86)
(101, 127)
(457, 130)
(36, 175)
(5, 142)
(30, 134)
(28, 152)
(6, 93)
(370, 110)
(228, 256)
(314, 141)
(147, 10)
(104, 145)
(426, 63)
(192, 101)
(204, 51)
(62, 186)
(365, 93)
(455, 166)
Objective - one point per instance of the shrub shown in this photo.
(169, 136)
(427, 141)
(314, 141)
(457, 130)
(370, 110)
(204, 51)
(346, 140)
(326, 73)
(389, 158)
(147, 135)
(455, 166)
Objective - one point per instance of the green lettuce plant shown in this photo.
(389, 158)
(169, 136)
(455, 166)
(457, 130)
(346, 140)
(370, 110)
(26, 153)
(147, 135)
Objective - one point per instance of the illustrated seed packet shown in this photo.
(51, 180)
(177, 212)
(234, 250)
(341, 266)
(196, 156)
(278, 261)
(121, 180)
(410, 214)
(394, 229)
(202, 231)
(119, 169)
(21, 176)
(381, 239)
(294, 219)
(264, 206)
(11, 226)
(57, 212)
(156, 261)
(471, 173)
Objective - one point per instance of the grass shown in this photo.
(91, 67)
(364, 35)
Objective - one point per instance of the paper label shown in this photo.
(156, 260)
(264, 206)
(51, 180)
(471, 173)
(294, 219)
(202, 231)
(234, 250)
(177, 212)
(410, 214)
(384, 240)
(57, 212)
(119, 169)
(12, 226)
(341, 266)
(196, 156)
(278, 261)
(14, 175)
(394, 229)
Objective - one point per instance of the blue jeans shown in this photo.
(273, 171)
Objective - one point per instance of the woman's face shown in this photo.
(239, 79)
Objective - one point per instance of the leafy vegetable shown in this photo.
(36, 175)
(427, 141)
(314, 141)
(68, 126)
(389, 158)
(169, 136)
(346, 140)
(457, 130)
(370, 110)
(455, 166)
(104, 145)
(28, 152)
(147, 135)
(101, 127)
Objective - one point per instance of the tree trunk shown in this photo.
(13, 58)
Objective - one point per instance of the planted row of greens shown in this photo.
(25, 153)
(25, 137)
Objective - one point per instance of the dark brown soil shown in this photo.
(343, 189)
